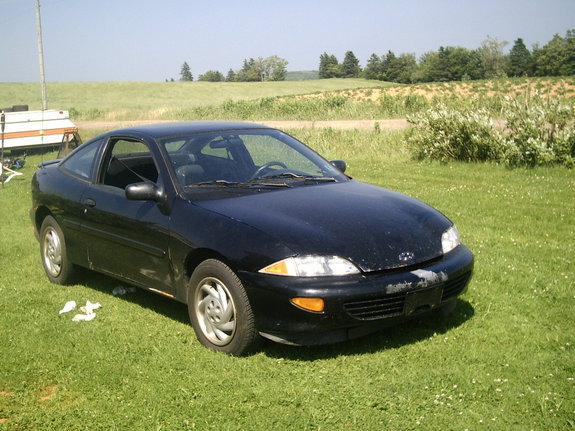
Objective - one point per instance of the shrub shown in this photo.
(536, 131)
(539, 131)
(444, 134)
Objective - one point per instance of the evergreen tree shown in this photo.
(519, 61)
(405, 67)
(474, 68)
(557, 57)
(334, 69)
(250, 71)
(231, 76)
(329, 67)
(373, 68)
(350, 66)
(388, 72)
(457, 63)
(323, 64)
(550, 58)
(568, 67)
(185, 73)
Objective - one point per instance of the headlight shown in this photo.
(311, 266)
(450, 239)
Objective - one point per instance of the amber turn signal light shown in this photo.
(309, 304)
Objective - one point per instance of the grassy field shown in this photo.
(320, 99)
(143, 100)
(504, 361)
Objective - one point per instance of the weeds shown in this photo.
(535, 131)
(444, 134)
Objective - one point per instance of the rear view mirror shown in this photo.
(143, 192)
(340, 165)
(226, 143)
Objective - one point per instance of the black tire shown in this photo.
(220, 311)
(53, 253)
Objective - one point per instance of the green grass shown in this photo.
(133, 100)
(503, 361)
(337, 99)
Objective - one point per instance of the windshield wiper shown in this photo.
(216, 183)
(261, 183)
(291, 175)
(225, 183)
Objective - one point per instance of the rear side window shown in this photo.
(81, 162)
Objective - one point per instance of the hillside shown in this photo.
(311, 100)
(117, 96)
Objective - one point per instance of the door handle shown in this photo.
(89, 202)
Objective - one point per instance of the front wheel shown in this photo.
(219, 309)
(53, 252)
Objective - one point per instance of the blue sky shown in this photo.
(146, 40)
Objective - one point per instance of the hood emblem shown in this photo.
(406, 256)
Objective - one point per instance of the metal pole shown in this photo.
(41, 56)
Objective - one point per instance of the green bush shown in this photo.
(445, 134)
(535, 131)
(540, 131)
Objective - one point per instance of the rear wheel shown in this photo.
(219, 309)
(53, 252)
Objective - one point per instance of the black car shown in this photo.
(254, 231)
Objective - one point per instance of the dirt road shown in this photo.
(393, 124)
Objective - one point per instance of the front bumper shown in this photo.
(354, 305)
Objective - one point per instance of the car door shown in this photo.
(65, 197)
(127, 239)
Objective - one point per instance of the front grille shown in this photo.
(390, 305)
(393, 305)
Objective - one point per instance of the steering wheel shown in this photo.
(266, 166)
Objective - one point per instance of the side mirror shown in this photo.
(143, 192)
(340, 165)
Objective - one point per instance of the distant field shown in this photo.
(307, 100)
(150, 96)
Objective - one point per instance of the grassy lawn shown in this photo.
(503, 361)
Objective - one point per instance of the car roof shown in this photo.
(162, 130)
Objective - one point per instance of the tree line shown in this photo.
(453, 63)
(271, 68)
(448, 63)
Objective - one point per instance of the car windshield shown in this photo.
(252, 158)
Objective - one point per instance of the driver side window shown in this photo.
(128, 161)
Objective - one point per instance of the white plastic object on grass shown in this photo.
(68, 306)
(84, 317)
(90, 307)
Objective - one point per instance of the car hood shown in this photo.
(375, 228)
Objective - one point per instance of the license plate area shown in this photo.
(423, 300)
